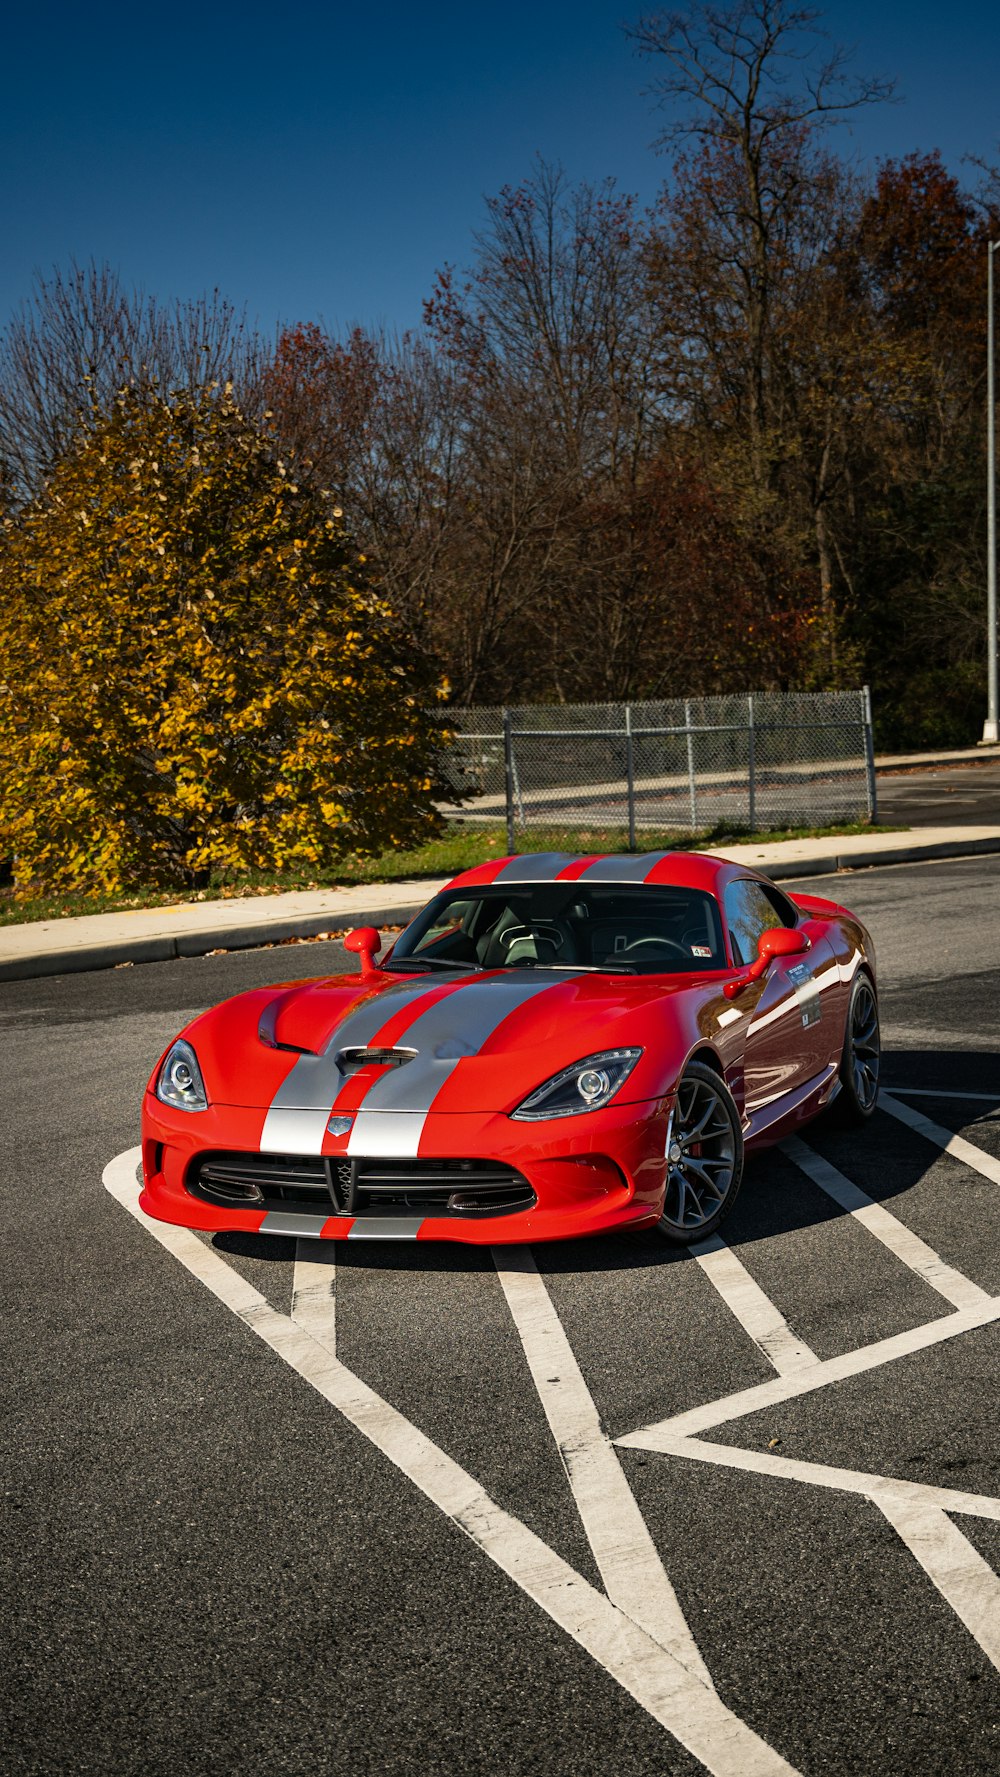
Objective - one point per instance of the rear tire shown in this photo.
(860, 1062)
(704, 1157)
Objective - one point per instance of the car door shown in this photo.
(784, 1043)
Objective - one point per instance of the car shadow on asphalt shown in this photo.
(884, 1159)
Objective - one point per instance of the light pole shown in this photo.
(991, 731)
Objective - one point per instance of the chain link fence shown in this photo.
(750, 763)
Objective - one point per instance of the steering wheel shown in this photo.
(662, 944)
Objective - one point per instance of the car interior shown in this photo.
(573, 925)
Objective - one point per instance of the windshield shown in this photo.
(616, 927)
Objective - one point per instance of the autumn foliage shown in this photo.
(197, 675)
(734, 442)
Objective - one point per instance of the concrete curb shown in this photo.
(84, 958)
(79, 959)
(875, 859)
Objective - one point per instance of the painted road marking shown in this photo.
(755, 1311)
(937, 1092)
(314, 1292)
(955, 1145)
(814, 1474)
(638, 1633)
(956, 1288)
(958, 1570)
(626, 1555)
(916, 1512)
(672, 1695)
(835, 1369)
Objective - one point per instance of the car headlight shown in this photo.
(588, 1085)
(180, 1082)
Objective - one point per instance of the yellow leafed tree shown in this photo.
(194, 675)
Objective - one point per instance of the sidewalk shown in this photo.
(193, 928)
(914, 761)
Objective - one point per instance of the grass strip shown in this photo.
(462, 844)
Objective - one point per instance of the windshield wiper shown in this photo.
(432, 962)
(532, 962)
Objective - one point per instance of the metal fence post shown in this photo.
(870, 754)
(630, 776)
(817, 764)
(690, 753)
(518, 798)
(751, 763)
(508, 768)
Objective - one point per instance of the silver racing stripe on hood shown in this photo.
(293, 1131)
(296, 1119)
(391, 1120)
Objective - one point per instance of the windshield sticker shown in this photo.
(807, 994)
(700, 950)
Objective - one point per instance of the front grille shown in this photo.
(312, 1184)
(244, 1181)
(441, 1187)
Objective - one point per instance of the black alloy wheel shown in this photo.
(861, 1059)
(704, 1157)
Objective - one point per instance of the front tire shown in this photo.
(861, 1059)
(704, 1157)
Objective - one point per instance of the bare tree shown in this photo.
(750, 84)
(759, 344)
(80, 337)
(750, 72)
(552, 341)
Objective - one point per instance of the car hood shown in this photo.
(468, 1042)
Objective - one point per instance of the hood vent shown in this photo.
(267, 1028)
(350, 1061)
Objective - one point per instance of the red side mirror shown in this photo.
(776, 941)
(365, 942)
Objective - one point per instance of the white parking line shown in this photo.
(314, 1287)
(956, 1288)
(958, 1570)
(817, 1474)
(673, 1695)
(937, 1092)
(696, 1420)
(755, 1311)
(955, 1145)
(917, 1513)
(616, 1530)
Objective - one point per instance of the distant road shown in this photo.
(965, 795)
(953, 796)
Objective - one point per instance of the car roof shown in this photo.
(682, 869)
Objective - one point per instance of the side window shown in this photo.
(788, 913)
(749, 912)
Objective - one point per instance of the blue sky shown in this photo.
(323, 161)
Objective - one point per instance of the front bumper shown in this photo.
(592, 1173)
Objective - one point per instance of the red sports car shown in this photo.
(555, 1046)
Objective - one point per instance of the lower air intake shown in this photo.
(314, 1185)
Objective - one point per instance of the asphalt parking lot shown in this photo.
(965, 795)
(599, 1508)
